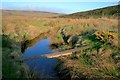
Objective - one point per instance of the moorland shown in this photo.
(98, 29)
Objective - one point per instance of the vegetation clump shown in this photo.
(105, 36)
(94, 63)
(11, 69)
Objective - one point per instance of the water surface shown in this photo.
(43, 67)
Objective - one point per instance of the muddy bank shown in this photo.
(30, 42)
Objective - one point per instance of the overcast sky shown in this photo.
(57, 7)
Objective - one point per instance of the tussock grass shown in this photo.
(12, 70)
(97, 62)
(102, 60)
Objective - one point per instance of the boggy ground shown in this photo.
(102, 60)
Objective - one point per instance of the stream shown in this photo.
(43, 67)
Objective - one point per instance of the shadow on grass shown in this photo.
(12, 70)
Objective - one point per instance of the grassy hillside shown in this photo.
(29, 13)
(112, 11)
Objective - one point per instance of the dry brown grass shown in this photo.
(18, 26)
(102, 66)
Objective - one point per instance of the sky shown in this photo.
(56, 7)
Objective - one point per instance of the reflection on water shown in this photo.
(42, 67)
(29, 43)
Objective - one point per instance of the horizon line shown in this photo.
(56, 12)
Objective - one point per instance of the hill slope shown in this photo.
(29, 13)
(112, 11)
